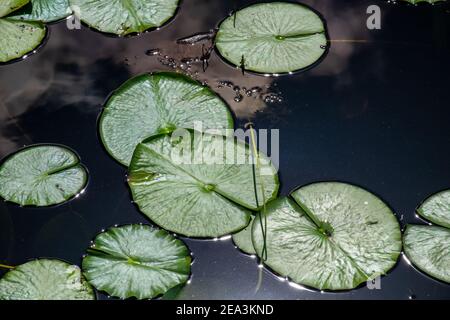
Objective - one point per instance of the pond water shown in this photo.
(375, 113)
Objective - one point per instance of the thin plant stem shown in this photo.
(4, 266)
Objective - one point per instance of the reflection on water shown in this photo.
(374, 113)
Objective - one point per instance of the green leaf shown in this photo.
(136, 261)
(8, 6)
(43, 11)
(276, 37)
(123, 17)
(437, 209)
(243, 239)
(330, 235)
(18, 38)
(42, 175)
(190, 185)
(45, 279)
(150, 104)
(428, 248)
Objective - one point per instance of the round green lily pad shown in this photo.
(43, 11)
(428, 248)
(18, 38)
(42, 175)
(8, 6)
(124, 17)
(437, 209)
(277, 37)
(156, 103)
(243, 239)
(136, 261)
(330, 236)
(198, 185)
(45, 279)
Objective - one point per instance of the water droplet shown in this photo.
(153, 52)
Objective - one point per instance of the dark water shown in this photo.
(374, 113)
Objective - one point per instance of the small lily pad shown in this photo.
(45, 279)
(17, 38)
(278, 37)
(8, 6)
(189, 185)
(41, 175)
(428, 248)
(158, 103)
(437, 209)
(329, 235)
(125, 17)
(43, 11)
(136, 261)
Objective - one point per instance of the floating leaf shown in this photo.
(330, 235)
(198, 185)
(428, 248)
(125, 17)
(437, 209)
(43, 10)
(41, 175)
(8, 6)
(45, 279)
(136, 261)
(18, 38)
(276, 37)
(243, 239)
(150, 104)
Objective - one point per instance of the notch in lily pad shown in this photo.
(428, 247)
(42, 175)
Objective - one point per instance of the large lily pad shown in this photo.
(437, 209)
(428, 248)
(18, 38)
(150, 104)
(137, 261)
(330, 235)
(43, 10)
(190, 186)
(8, 6)
(45, 279)
(41, 175)
(276, 37)
(125, 17)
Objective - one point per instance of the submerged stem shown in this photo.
(263, 222)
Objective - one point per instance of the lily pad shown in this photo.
(43, 11)
(155, 103)
(45, 279)
(136, 261)
(189, 185)
(243, 239)
(428, 248)
(437, 209)
(17, 38)
(125, 17)
(330, 235)
(41, 175)
(278, 37)
(8, 6)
